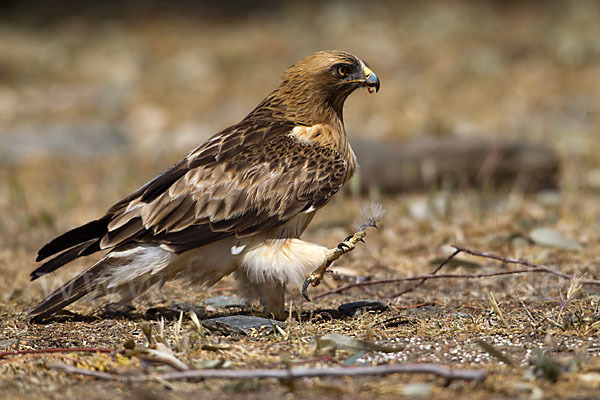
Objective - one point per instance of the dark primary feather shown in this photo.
(86, 232)
(82, 249)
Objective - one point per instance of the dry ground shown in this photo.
(519, 70)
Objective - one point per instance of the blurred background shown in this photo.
(98, 97)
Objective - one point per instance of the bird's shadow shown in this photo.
(177, 310)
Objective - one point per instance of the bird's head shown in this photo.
(323, 81)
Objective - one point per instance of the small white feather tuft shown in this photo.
(371, 214)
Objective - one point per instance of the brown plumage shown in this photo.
(239, 202)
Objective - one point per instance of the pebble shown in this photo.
(240, 325)
(356, 308)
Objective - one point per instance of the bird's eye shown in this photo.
(342, 71)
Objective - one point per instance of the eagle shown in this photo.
(238, 203)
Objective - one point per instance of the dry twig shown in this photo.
(534, 268)
(285, 374)
(422, 281)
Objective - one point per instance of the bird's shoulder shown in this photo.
(277, 154)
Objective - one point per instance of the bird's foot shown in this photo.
(332, 254)
(346, 244)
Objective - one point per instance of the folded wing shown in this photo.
(249, 178)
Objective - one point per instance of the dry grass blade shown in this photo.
(496, 308)
(497, 354)
(533, 320)
(197, 324)
(574, 287)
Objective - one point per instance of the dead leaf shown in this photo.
(328, 344)
(163, 355)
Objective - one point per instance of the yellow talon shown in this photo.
(332, 254)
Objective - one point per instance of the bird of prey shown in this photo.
(238, 203)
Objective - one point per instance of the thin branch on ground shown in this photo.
(534, 268)
(422, 281)
(508, 260)
(542, 268)
(285, 374)
(56, 350)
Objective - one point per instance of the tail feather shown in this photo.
(92, 230)
(53, 264)
(76, 288)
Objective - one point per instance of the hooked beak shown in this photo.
(371, 80)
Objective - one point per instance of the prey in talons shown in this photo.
(370, 214)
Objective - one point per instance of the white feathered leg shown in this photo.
(271, 294)
(268, 267)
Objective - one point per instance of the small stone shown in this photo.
(355, 308)
(240, 324)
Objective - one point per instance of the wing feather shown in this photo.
(252, 189)
(251, 177)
